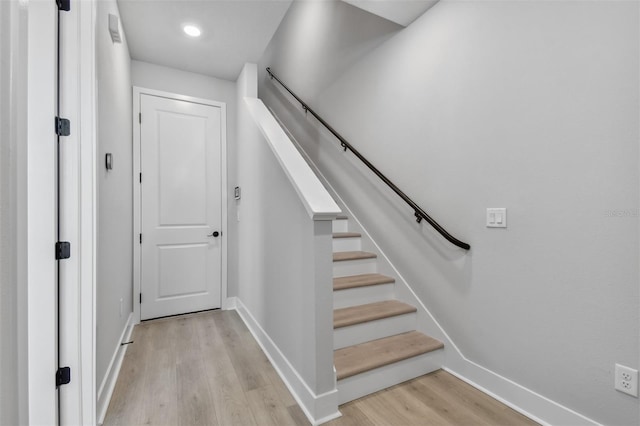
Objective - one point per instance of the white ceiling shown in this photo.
(233, 32)
(401, 12)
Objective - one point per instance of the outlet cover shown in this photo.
(626, 380)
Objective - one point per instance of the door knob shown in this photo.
(214, 234)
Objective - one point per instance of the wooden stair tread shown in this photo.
(367, 356)
(353, 315)
(352, 255)
(347, 235)
(361, 280)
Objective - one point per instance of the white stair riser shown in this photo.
(340, 225)
(354, 267)
(363, 295)
(372, 330)
(347, 244)
(357, 386)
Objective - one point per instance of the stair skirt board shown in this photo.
(373, 330)
(362, 295)
(371, 381)
(354, 267)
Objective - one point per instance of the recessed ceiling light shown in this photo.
(192, 30)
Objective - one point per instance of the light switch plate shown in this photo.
(497, 217)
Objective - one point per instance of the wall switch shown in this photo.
(497, 217)
(626, 380)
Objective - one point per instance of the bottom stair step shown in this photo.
(357, 359)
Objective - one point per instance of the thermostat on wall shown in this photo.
(114, 28)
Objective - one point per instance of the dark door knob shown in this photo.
(214, 234)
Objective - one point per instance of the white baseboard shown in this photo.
(525, 401)
(229, 303)
(111, 376)
(318, 408)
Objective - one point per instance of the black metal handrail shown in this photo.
(419, 212)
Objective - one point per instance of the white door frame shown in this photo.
(36, 207)
(137, 224)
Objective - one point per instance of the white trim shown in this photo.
(525, 401)
(230, 303)
(318, 408)
(137, 92)
(19, 110)
(521, 399)
(40, 218)
(314, 196)
(87, 209)
(113, 370)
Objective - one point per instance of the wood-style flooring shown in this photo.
(206, 369)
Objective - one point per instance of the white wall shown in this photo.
(527, 105)
(13, 30)
(284, 257)
(115, 199)
(171, 80)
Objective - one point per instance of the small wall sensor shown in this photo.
(108, 161)
(114, 28)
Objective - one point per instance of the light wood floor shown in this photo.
(206, 369)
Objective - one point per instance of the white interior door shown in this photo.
(180, 153)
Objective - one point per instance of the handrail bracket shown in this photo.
(419, 213)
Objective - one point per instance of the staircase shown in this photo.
(376, 344)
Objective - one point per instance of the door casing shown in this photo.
(137, 224)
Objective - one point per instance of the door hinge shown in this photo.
(141, 298)
(63, 126)
(64, 5)
(63, 250)
(140, 177)
(63, 376)
(140, 117)
(140, 238)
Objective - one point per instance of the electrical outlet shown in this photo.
(626, 380)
